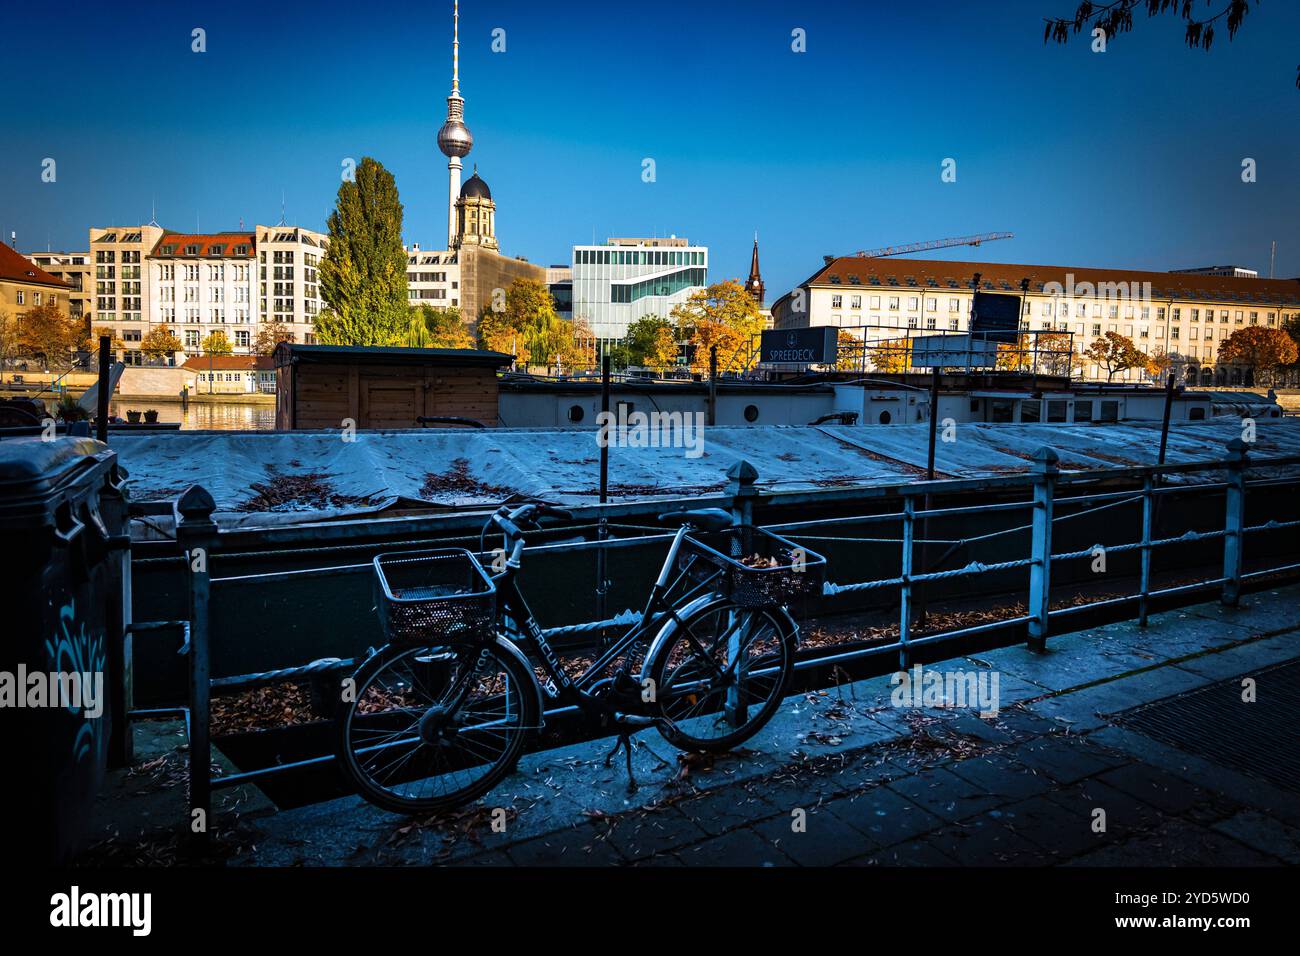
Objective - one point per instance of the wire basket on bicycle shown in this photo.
(434, 596)
(753, 567)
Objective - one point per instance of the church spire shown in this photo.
(754, 284)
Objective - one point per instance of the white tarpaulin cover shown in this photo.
(260, 478)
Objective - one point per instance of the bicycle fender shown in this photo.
(510, 647)
(789, 629)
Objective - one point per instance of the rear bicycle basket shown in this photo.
(434, 597)
(753, 567)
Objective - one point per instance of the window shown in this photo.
(1083, 411)
(837, 302)
(893, 303)
(751, 413)
(1056, 410)
(1109, 411)
(22, 297)
(875, 302)
(855, 302)
(954, 305)
(575, 413)
(1031, 411)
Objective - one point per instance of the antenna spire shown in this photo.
(455, 47)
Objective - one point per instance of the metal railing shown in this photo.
(199, 540)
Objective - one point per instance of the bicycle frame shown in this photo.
(657, 612)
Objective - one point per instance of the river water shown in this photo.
(221, 416)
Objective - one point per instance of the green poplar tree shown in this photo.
(363, 273)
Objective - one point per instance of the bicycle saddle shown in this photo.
(706, 519)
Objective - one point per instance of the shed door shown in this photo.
(389, 403)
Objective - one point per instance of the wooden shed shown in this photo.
(319, 386)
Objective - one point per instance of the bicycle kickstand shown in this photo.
(624, 743)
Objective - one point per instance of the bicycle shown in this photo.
(441, 713)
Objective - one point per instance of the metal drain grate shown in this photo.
(1213, 722)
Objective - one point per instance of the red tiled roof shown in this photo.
(15, 267)
(205, 242)
(229, 363)
(892, 273)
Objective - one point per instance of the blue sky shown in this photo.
(1129, 158)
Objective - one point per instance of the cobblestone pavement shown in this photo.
(843, 777)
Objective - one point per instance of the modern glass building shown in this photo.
(625, 279)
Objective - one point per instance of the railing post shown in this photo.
(905, 589)
(1234, 522)
(742, 492)
(1040, 548)
(1148, 510)
(196, 533)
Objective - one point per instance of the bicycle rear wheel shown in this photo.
(721, 674)
(432, 728)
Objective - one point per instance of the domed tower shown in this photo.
(476, 215)
(454, 138)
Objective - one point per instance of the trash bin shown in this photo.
(55, 594)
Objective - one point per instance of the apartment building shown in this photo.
(433, 277)
(76, 270)
(201, 284)
(288, 290)
(1185, 316)
(121, 286)
(25, 285)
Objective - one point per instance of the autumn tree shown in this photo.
(1263, 349)
(363, 273)
(270, 334)
(650, 343)
(523, 322)
(1115, 353)
(160, 343)
(431, 327)
(849, 351)
(891, 356)
(47, 334)
(217, 343)
(90, 342)
(724, 315)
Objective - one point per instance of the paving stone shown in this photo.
(988, 841)
(1243, 658)
(638, 835)
(1064, 758)
(1177, 843)
(884, 815)
(1125, 813)
(718, 811)
(1263, 833)
(578, 846)
(826, 841)
(1063, 832)
(910, 853)
(1165, 791)
(999, 774)
(945, 794)
(739, 847)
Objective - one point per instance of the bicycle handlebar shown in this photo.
(511, 521)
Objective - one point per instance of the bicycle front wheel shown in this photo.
(431, 728)
(721, 674)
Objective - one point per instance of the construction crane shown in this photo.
(932, 244)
